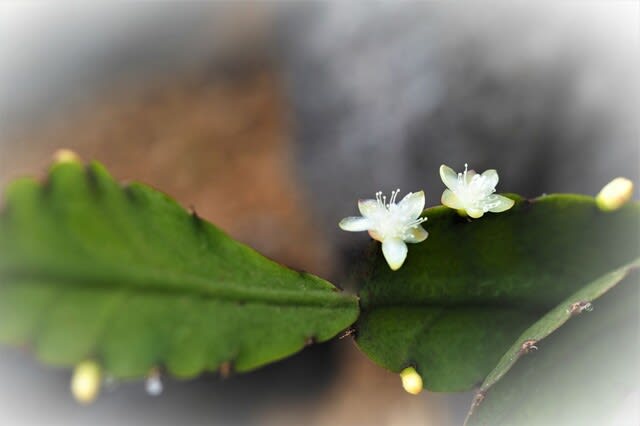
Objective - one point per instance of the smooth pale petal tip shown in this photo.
(355, 224)
(417, 235)
(395, 265)
(368, 207)
(504, 204)
(413, 203)
(395, 252)
(492, 177)
(475, 213)
(449, 176)
(375, 235)
(451, 200)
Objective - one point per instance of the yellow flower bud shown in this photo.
(65, 156)
(86, 381)
(411, 381)
(615, 194)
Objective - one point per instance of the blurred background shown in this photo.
(271, 119)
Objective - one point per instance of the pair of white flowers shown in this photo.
(395, 224)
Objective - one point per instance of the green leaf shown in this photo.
(467, 294)
(91, 269)
(583, 374)
(577, 303)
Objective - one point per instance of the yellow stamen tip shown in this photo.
(411, 381)
(615, 194)
(86, 381)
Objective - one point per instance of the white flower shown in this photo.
(473, 193)
(390, 223)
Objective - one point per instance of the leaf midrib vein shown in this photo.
(187, 285)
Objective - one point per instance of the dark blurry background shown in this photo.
(272, 119)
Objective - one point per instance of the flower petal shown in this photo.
(395, 252)
(416, 235)
(469, 176)
(375, 235)
(504, 203)
(412, 204)
(449, 177)
(475, 213)
(450, 199)
(369, 207)
(491, 177)
(355, 224)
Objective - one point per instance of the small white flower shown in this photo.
(473, 193)
(390, 223)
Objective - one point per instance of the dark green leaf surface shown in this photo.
(467, 294)
(125, 275)
(585, 373)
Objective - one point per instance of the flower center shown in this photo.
(394, 220)
(477, 191)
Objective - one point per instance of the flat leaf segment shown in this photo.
(89, 268)
(467, 294)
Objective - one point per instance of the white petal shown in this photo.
(375, 235)
(475, 213)
(450, 199)
(413, 204)
(504, 203)
(416, 235)
(369, 207)
(355, 224)
(469, 176)
(449, 177)
(491, 177)
(395, 252)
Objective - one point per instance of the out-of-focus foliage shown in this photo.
(584, 374)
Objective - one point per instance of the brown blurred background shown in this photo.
(271, 119)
